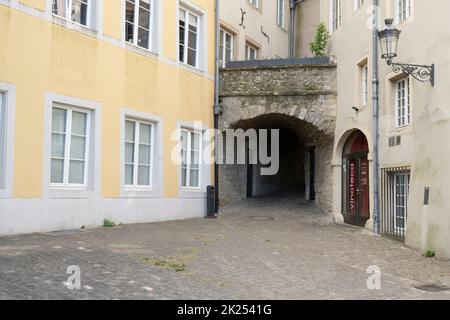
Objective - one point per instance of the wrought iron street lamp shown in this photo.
(389, 43)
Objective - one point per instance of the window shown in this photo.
(138, 153)
(190, 159)
(2, 139)
(138, 22)
(403, 10)
(254, 2)
(365, 85)
(251, 52)
(78, 11)
(189, 37)
(359, 4)
(403, 103)
(401, 181)
(336, 14)
(280, 13)
(226, 47)
(69, 148)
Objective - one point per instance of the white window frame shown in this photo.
(224, 48)
(406, 185)
(335, 15)
(254, 3)
(365, 84)
(189, 132)
(7, 120)
(248, 48)
(68, 9)
(358, 4)
(137, 123)
(136, 24)
(281, 15)
(67, 148)
(403, 10)
(92, 189)
(403, 103)
(184, 59)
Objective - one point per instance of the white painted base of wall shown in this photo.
(21, 216)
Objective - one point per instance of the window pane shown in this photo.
(79, 123)
(195, 138)
(181, 32)
(145, 4)
(59, 8)
(57, 171)
(76, 172)
(129, 171)
(145, 132)
(143, 38)
(144, 176)
(58, 145)
(144, 154)
(129, 152)
(78, 148)
(192, 57)
(59, 120)
(79, 11)
(144, 18)
(129, 130)
(194, 179)
(183, 177)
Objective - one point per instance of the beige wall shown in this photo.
(265, 16)
(425, 39)
(307, 20)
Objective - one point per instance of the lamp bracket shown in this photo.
(422, 73)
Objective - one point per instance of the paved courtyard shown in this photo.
(269, 249)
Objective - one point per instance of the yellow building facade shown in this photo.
(91, 93)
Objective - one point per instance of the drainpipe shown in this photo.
(375, 101)
(216, 104)
(292, 8)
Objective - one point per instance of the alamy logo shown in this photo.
(374, 280)
(73, 282)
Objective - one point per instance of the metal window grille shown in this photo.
(395, 184)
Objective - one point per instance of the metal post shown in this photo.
(375, 100)
(292, 6)
(216, 105)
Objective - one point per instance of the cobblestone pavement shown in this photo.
(269, 249)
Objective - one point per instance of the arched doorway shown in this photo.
(356, 206)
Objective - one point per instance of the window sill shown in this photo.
(70, 193)
(191, 68)
(140, 50)
(74, 26)
(192, 193)
(130, 192)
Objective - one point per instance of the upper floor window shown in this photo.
(280, 13)
(365, 85)
(190, 158)
(189, 37)
(336, 14)
(70, 146)
(226, 47)
(78, 11)
(251, 52)
(138, 153)
(138, 22)
(403, 103)
(359, 3)
(403, 10)
(254, 2)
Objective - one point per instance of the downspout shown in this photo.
(216, 105)
(375, 102)
(292, 6)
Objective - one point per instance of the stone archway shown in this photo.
(300, 101)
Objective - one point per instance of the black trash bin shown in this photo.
(210, 202)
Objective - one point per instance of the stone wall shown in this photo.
(299, 98)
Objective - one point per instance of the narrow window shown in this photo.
(226, 47)
(403, 103)
(138, 22)
(251, 52)
(254, 2)
(403, 8)
(190, 159)
(359, 4)
(188, 37)
(401, 182)
(78, 11)
(69, 153)
(365, 85)
(336, 14)
(138, 153)
(280, 13)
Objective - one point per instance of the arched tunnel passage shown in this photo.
(304, 158)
